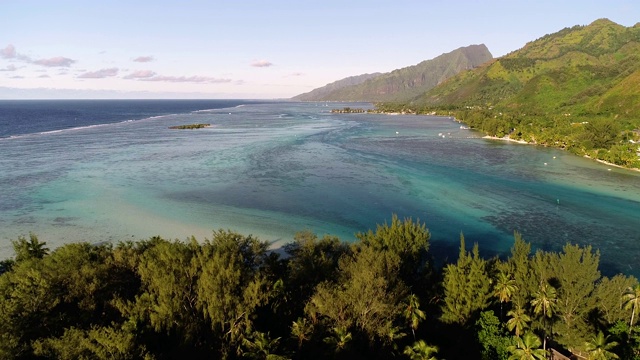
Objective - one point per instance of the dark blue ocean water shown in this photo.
(82, 171)
(20, 117)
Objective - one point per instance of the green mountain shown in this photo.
(583, 69)
(578, 89)
(406, 83)
(319, 94)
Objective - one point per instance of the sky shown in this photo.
(221, 49)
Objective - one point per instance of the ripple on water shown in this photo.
(273, 175)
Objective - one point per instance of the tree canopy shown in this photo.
(232, 297)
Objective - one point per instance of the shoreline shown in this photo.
(611, 164)
(508, 140)
(585, 156)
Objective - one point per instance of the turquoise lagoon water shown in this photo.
(273, 169)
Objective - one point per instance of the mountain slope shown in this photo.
(320, 93)
(577, 89)
(583, 70)
(407, 83)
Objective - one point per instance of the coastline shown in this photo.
(508, 139)
(612, 164)
(585, 156)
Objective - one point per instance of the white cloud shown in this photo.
(140, 74)
(100, 74)
(144, 59)
(8, 52)
(187, 79)
(10, 67)
(261, 63)
(55, 62)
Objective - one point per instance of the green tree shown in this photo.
(420, 350)
(88, 283)
(367, 297)
(504, 288)
(301, 330)
(601, 133)
(527, 348)
(260, 346)
(631, 300)
(576, 271)
(519, 320)
(599, 347)
(610, 297)
(42, 297)
(339, 338)
(519, 266)
(493, 337)
(27, 302)
(29, 249)
(467, 287)
(168, 301)
(231, 288)
(412, 313)
(544, 302)
(394, 334)
(408, 240)
(311, 261)
(629, 347)
(96, 343)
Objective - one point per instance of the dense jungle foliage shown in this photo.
(577, 89)
(232, 297)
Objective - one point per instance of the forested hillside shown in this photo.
(406, 83)
(577, 89)
(322, 92)
(379, 298)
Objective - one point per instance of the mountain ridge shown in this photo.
(578, 65)
(321, 92)
(405, 83)
(577, 89)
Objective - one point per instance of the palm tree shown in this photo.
(339, 339)
(504, 288)
(392, 335)
(527, 348)
(301, 330)
(421, 351)
(261, 346)
(598, 348)
(631, 299)
(29, 249)
(413, 314)
(544, 301)
(519, 320)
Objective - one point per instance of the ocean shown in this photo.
(112, 170)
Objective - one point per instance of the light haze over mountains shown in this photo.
(402, 84)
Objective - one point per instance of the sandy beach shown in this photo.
(507, 139)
